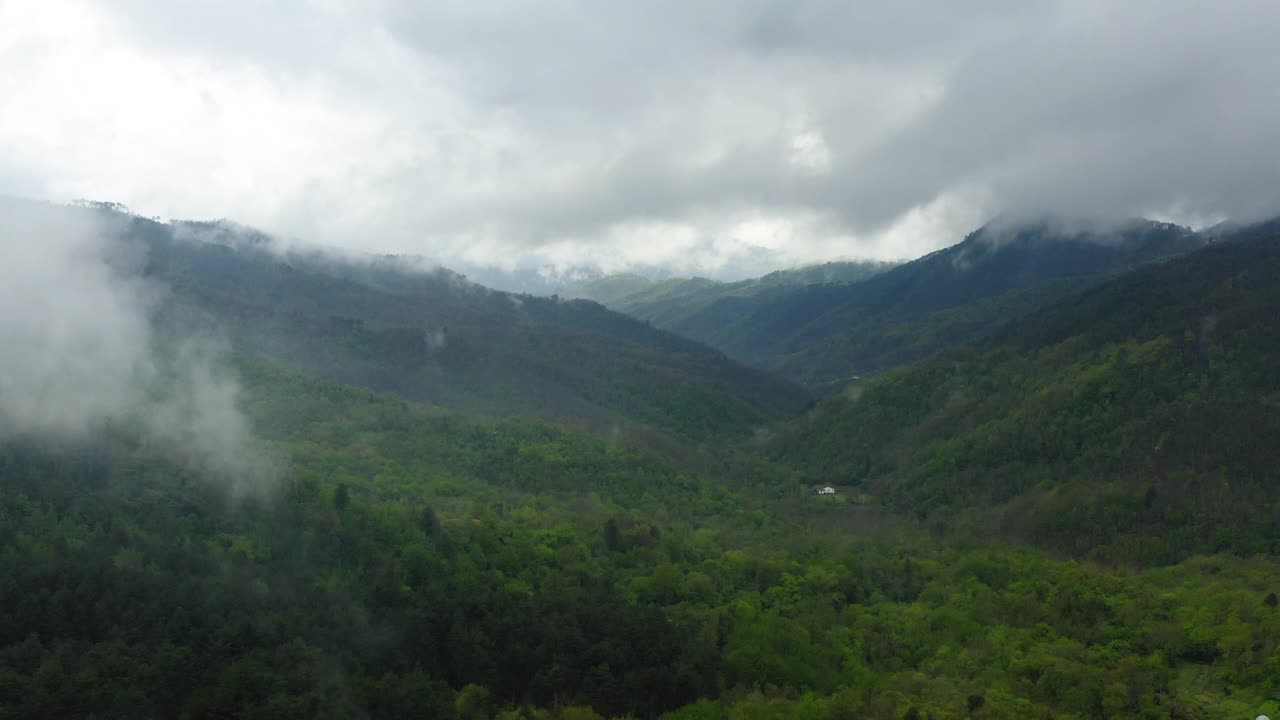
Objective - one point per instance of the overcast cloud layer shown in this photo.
(643, 132)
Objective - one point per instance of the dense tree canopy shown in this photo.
(1135, 422)
(412, 562)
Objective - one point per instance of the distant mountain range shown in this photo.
(721, 259)
(674, 301)
(825, 325)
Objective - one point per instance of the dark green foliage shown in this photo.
(479, 568)
(677, 301)
(823, 334)
(430, 335)
(414, 562)
(613, 537)
(341, 498)
(1133, 422)
(342, 590)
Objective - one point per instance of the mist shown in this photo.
(82, 350)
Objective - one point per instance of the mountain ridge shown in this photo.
(431, 336)
(1131, 422)
(819, 333)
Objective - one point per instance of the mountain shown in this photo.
(432, 336)
(823, 334)
(527, 278)
(1135, 421)
(723, 259)
(413, 562)
(672, 302)
(281, 545)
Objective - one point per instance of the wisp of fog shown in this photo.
(79, 349)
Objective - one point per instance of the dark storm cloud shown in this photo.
(1145, 108)
(1093, 108)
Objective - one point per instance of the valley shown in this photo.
(1052, 453)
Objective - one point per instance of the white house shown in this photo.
(826, 490)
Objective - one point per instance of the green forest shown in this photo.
(415, 563)
(853, 319)
(1071, 515)
(1134, 423)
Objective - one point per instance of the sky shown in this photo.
(711, 136)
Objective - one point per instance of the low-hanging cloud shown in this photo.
(81, 350)
(506, 128)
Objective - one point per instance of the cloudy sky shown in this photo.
(625, 132)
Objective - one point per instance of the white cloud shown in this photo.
(625, 132)
(81, 350)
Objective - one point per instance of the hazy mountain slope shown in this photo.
(432, 336)
(394, 559)
(825, 365)
(610, 289)
(823, 334)
(1135, 420)
(671, 302)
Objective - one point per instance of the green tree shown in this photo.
(474, 702)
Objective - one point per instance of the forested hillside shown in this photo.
(410, 562)
(394, 360)
(823, 334)
(1136, 421)
(675, 301)
(1074, 519)
(431, 336)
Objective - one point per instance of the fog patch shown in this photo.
(1208, 324)
(227, 233)
(81, 350)
(1009, 228)
(435, 339)
(1030, 230)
